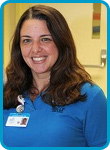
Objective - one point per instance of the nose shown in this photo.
(36, 47)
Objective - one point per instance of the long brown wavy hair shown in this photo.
(67, 74)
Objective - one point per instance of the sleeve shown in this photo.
(95, 128)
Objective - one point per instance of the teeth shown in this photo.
(38, 59)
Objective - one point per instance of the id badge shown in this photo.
(18, 119)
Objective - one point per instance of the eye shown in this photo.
(26, 41)
(46, 39)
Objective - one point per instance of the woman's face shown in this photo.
(37, 46)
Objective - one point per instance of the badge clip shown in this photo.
(20, 108)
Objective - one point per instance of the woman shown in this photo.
(47, 84)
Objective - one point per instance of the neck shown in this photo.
(41, 81)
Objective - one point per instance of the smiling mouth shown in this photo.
(38, 59)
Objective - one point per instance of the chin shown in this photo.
(40, 71)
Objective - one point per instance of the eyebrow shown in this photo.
(40, 36)
(45, 35)
(26, 36)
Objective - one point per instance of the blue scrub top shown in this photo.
(82, 124)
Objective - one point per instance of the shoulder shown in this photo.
(91, 90)
(94, 95)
